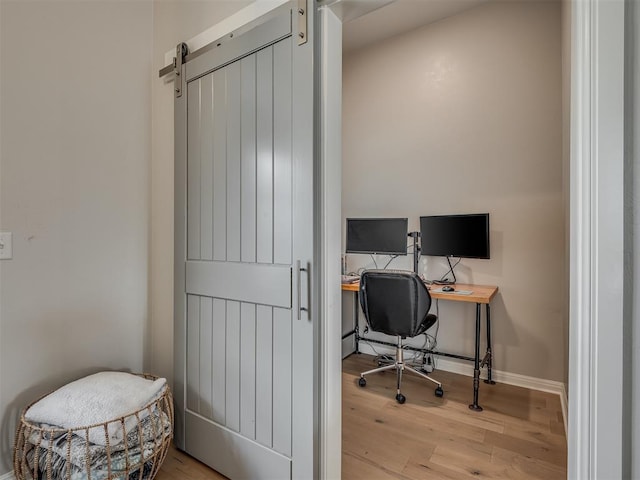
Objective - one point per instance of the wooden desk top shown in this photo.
(351, 287)
(479, 293)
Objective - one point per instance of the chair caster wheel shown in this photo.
(439, 392)
(401, 398)
(362, 382)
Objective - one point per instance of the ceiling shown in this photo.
(398, 17)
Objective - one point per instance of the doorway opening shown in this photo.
(465, 113)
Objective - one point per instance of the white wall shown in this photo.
(74, 163)
(461, 116)
(173, 22)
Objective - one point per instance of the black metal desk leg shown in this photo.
(476, 364)
(488, 358)
(356, 311)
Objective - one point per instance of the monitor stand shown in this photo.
(416, 259)
(453, 274)
(416, 250)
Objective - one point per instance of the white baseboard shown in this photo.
(564, 402)
(8, 476)
(448, 365)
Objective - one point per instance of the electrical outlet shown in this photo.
(6, 247)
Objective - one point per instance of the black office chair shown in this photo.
(396, 303)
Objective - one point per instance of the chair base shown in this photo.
(399, 366)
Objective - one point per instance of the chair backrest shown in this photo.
(395, 302)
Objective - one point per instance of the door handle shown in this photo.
(299, 270)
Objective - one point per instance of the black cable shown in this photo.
(365, 340)
(390, 260)
(425, 344)
(433, 343)
(442, 279)
(415, 354)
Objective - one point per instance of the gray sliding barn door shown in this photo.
(244, 340)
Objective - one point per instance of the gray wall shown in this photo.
(461, 116)
(632, 239)
(173, 22)
(74, 190)
(566, 167)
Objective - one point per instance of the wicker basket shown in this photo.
(53, 453)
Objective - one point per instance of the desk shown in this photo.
(480, 295)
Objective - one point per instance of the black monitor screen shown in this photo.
(377, 235)
(455, 235)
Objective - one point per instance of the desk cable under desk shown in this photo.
(479, 294)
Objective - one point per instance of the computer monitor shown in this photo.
(464, 236)
(377, 235)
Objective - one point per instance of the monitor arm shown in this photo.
(416, 250)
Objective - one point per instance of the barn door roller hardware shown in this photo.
(302, 22)
(181, 53)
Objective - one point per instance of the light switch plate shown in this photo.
(6, 248)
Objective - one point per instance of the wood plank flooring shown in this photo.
(519, 435)
(180, 466)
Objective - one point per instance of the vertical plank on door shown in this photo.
(206, 357)
(248, 152)
(220, 165)
(193, 353)
(206, 167)
(233, 162)
(282, 173)
(264, 137)
(282, 380)
(248, 370)
(193, 172)
(219, 359)
(264, 375)
(233, 366)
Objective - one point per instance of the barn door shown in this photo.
(244, 254)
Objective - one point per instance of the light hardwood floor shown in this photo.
(519, 435)
(179, 466)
